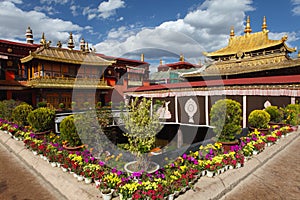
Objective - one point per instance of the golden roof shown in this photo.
(66, 56)
(249, 42)
(248, 66)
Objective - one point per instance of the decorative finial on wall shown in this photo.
(71, 42)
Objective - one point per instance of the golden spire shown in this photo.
(43, 39)
(181, 58)
(71, 42)
(232, 32)
(248, 29)
(264, 25)
(142, 57)
(160, 62)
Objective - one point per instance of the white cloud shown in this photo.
(108, 8)
(296, 9)
(90, 12)
(49, 2)
(12, 25)
(49, 9)
(204, 29)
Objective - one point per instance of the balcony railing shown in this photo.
(135, 83)
(66, 82)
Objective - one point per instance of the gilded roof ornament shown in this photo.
(82, 44)
(59, 44)
(71, 42)
(232, 31)
(43, 39)
(248, 29)
(264, 25)
(181, 58)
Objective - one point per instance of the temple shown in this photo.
(44, 73)
(251, 69)
(249, 55)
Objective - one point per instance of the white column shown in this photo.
(206, 111)
(179, 138)
(244, 111)
(293, 100)
(176, 109)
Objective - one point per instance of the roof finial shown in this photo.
(87, 49)
(264, 25)
(43, 39)
(82, 44)
(248, 29)
(29, 35)
(142, 57)
(160, 62)
(181, 58)
(232, 31)
(59, 44)
(71, 42)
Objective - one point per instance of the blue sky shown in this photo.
(161, 29)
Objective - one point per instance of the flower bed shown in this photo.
(173, 178)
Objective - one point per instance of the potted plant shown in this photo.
(68, 133)
(20, 113)
(276, 115)
(259, 119)
(42, 121)
(226, 117)
(141, 126)
(291, 114)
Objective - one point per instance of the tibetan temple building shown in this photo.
(39, 72)
(170, 72)
(252, 69)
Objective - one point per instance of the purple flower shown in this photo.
(172, 165)
(196, 162)
(119, 173)
(184, 156)
(86, 160)
(101, 163)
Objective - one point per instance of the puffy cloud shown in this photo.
(205, 28)
(108, 8)
(296, 9)
(55, 29)
(49, 2)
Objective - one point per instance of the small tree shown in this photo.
(20, 113)
(142, 125)
(226, 117)
(41, 119)
(68, 132)
(259, 119)
(291, 114)
(275, 113)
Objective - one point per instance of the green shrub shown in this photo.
(226, 117)
(276, 115)
(41, 119)
(259, 119)
(42, 104)
(6, 108)
(291, 114)
(20, 114)
(68, 132)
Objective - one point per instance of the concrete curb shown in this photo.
(62, 185)
(216, 187)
